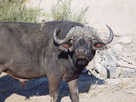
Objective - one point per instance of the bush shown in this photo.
(62, 11)
(15, 11)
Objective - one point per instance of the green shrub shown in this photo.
(15, 11)
(62, 11)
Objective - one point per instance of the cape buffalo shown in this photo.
(60, 50)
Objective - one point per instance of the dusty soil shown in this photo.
(91, 90)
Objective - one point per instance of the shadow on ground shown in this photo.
(39, 87)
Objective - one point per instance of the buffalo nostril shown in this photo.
(81, 50)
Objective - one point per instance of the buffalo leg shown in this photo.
(53, 87)
(73, 87)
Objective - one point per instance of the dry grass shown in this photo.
(105, 89)
(63, 11)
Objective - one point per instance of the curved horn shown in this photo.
(95, 34)
(107, 41)
(70, 34)
(56, 39)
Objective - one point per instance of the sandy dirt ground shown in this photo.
(91, 90)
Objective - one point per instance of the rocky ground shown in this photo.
(119, 58)
(94, 86)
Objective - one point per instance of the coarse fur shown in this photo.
(24, 48)
(29, 52)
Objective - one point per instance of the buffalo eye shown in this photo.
(89, 39)
(75, 39)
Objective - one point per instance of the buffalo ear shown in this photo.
(65, 47)
(99, 46)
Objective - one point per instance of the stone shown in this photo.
(118, 81)
(118, 48)
(125, 39)
(110, 62)
(128, 72)
(135, 59)
(103, 65)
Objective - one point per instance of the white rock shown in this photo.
(135, 59)
(118, 48)
(85, 70)
(126, 39)
(127, 73)
(117, 81)
(105, 64)
(110, 62)
(102, 71)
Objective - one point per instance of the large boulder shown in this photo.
(118, 61)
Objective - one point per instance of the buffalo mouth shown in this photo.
(82, 60)
(81, 57)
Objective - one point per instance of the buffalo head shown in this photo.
(82, 41)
